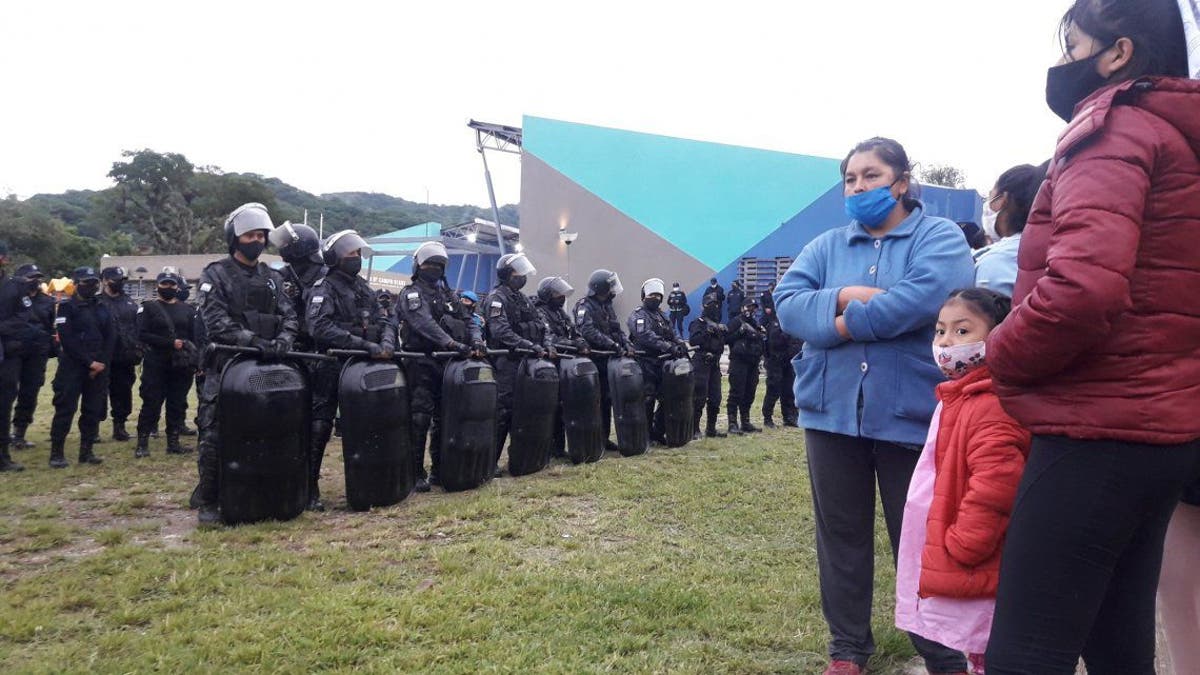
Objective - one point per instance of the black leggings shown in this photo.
(1082, 556)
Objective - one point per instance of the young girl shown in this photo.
(962, 489)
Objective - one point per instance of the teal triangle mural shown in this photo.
(713, 201)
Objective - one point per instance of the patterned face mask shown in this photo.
(958, 360)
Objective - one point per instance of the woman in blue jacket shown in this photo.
(864, 298)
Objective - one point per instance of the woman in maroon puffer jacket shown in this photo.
(1100, 358)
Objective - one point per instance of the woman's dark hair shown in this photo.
(1154, 26)
(892, 154)
(987, 303)
(1021, 183)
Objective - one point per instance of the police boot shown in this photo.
(187, 431)
(143, 446)
(57, 458)
(173, 446)
(711, 429)
(321, 431)
(768, 421)
(696, 433)
(734, 429)
(6, 463)
(747, 427)
(119, 433)
(208, 515)
(86, 456)
(18, 439)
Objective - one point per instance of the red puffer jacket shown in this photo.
(1104, 340)
(980, 457)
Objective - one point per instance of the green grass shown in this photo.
(699, 559)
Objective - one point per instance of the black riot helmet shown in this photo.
(514, 264)
(246, 218)
(296, 242)
(341, 244)
(604, 281)
(553, 287)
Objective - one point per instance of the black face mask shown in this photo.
(385, 302)
(251, 250)
(652, 304)
(117, 286)
(517, 282)
(429, 275)
(350, 266)
(1067, 85)
(168, 293)
(557, 303)
(87, 289)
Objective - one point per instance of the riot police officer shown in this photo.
(746, 340)
(300, 248)
(88, 336)
(552, 294)
(651, 333)
(707, 334)
(342, 314)
(434, 320)
(22, 338)
(512, 323)
(678, 305)
(38, 353)
(781, 349)
(127, 353)
(242, 303)
(735, 299)
(166, 326)
(598, 324)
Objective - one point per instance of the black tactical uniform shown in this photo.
(746, 340)
(167, 372)
(563, 335)
(707, 334)
(127, 353)
(23, 338)
(434, 320)
(598, 324)
(511, 322)
(651, 334)
(245, 306)
(342, 314)
(678, 305)
(734, 301)
(298, 279)
(781, 349)
(87, 334)
(33, 369)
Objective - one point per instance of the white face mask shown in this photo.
(958, 360)
(989, 222)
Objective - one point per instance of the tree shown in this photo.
(36, 236)
(153, 191)
(944, 175)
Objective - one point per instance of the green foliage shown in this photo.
(33, 235)
(153, 191)
(944, 175)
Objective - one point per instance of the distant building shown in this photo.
(143, 269)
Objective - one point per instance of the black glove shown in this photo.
(478, 349)
(539, 352)
(281, 348)
(374, 350)
(265, 347)
(681, 351)
(459, 348)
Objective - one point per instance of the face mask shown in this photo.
(87, 289)
(116, 286)
(652, 304)
(517, 282)
(429, 275)
(168, 293)
(557, 303)
(872, 207)
(989, 221)
(958, 360)
(385, 302)
(350, 266)
(251, 250)
(1067, 85)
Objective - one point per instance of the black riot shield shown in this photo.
(629, 408)
(468, 425)
(535, 400)
(676, 396)
(579, 392)
(376, 445)
(264, 414)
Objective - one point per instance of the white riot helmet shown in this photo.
(653, 286)
(430, 252)
(247, 218)
(554, 287)
(514, 264)
(341, 244)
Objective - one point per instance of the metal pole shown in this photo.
(487, 175)
(478, 262)
(462, 266)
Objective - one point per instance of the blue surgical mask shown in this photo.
(872, 207)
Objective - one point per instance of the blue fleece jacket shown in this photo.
(888, 365)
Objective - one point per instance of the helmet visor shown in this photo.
(614, 284)
(653, 286)
(555, 287)
(431, 252)
(346, 242)
(248, 218)
(521, 266)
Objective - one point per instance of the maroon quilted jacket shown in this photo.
(1104, 340)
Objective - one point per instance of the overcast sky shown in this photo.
(375, 96)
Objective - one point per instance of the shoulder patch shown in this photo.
(414, 300)
(60, 320)
(205, 287)
(318, 282)
(497, 308)
(317, 299)
(141, 309)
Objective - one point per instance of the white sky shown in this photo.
(375, 96)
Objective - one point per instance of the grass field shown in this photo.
(699, 559)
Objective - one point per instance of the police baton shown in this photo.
(255, 351)
(351, 353)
